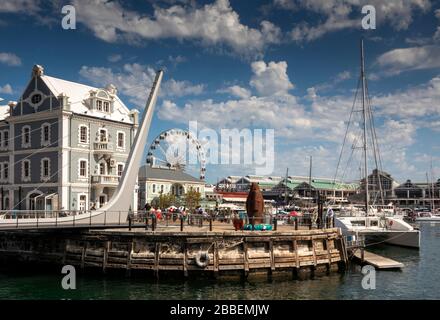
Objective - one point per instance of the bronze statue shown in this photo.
(255, 204)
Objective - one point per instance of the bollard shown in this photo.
(310, 223)
(201, 221)
(275, 224)
(181, 223)
(129, 223)
(296, 223)
(153, 223)
(210, 224)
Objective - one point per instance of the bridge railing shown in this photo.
(18, 219)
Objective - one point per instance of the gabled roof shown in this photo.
(78, 93)
(160, 173)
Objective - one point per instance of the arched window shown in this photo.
(25, 170)
(26, 136)
(82, 166)
(103, 137)
(83, 134)
(45, 169)
(102, 168)
(154, 188)
(6, 138)
(45, 134)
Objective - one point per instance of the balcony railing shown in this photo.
(103, 146)
(105, 179)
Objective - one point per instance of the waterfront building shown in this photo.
(63, 145)
(414, 194)
(377, 180)
(299, 187)
(228, 184)
(264, 182)
(156, 180)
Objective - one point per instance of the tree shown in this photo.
(164, 201)
(192, 199)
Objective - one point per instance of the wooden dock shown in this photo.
(377, 261)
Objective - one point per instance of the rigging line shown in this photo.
(346, 133)
(33, 153)
(375, 146)
(374, 126)
(43, 183)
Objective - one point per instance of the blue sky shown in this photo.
(286, 65)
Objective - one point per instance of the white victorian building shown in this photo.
(63, 145)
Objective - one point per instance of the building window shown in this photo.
(121, 140)
(36, 98)
(120, 169)
(26, 170)
(154, 188)
(83, 168)
(102, 168)
(99, 105)
(161, 188)
(45, 169)
(82, 203)
(106, 106)
(6, 171)
(45, 134)
(102, 135)
(83, 134)
(26, 137)
(6, 138)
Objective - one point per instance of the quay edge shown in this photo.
(295, 254)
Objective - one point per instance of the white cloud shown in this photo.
(237, 91)
(211, 24)
(413, 103)
(19, 6)
(346, 14)
(415, 58)
(114, 58)
(270, 79)
(134, 79)
(10, 59)
(6, 89)
(315, 125)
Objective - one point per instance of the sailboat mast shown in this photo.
(286, 190)
(364, 112)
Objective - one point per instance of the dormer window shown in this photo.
(99, 105)
(106, 106)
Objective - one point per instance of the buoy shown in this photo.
(202, 259)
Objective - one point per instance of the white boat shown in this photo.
(427, 217)
(380, 229)
(380, 223)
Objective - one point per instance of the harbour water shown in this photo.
(419, 279)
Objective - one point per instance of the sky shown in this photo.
(288, 65)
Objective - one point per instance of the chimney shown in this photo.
(64, 101)
(37, 71)
(11, 105)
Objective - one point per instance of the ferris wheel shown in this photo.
(177, 149)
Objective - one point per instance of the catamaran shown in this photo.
(375, 223)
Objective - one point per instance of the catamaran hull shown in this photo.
(409, 239)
